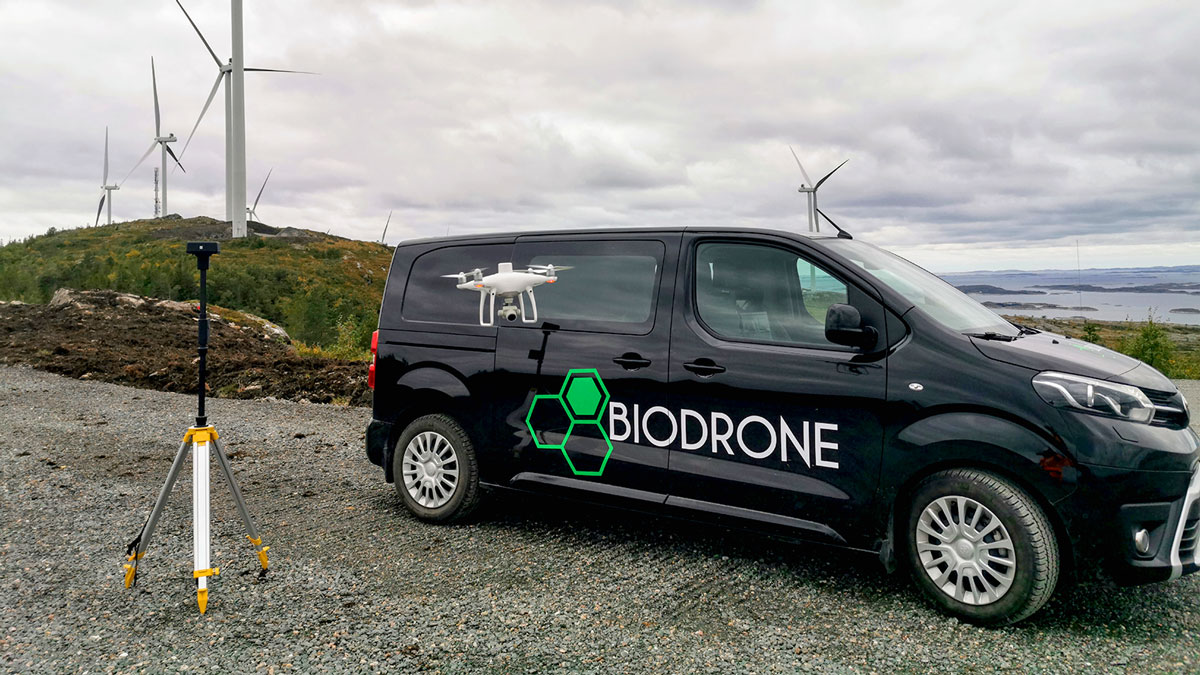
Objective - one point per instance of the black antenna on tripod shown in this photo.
(203, 250)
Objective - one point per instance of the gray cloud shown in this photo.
(979, 127)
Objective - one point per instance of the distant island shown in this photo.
(1185, 287)
(1185, 310)
(985, 289)
(1036, 306)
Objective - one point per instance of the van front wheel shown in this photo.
(435, 470)
(980, 548)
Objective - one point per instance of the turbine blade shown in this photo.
(206, 46)
(157, 117)
(802, 171)
(139, 162)
(828, 175)
(211, 95)
(172, 154)
(100, 208)
(105, 181)
(260, 190)
(385, 227)
(277, 70)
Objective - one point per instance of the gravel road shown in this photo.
(532, 586)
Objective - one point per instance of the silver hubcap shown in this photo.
(966, 550)
(430, 469)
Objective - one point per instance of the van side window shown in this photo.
(764, 294)
(612, 286)
(430, 298)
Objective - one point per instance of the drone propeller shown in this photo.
(476, 273)
(543, 269)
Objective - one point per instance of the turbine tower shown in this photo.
(160, 141)
(230, 74)
(237, 102)
(105, 186)
(810, 189)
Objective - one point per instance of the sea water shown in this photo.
(1115, 305)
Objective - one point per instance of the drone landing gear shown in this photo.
(508, 310)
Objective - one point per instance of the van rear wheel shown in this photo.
(435, 470)
(981, 548)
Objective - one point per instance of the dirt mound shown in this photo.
(149, 343)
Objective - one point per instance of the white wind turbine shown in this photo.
(105, 186)
(810, 189)
(160, 141)
(250, 214)
(235, 116)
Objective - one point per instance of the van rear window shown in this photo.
(612, 286)
(428, 297)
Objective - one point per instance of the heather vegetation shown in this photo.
(324, 290)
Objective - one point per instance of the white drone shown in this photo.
(507, 284)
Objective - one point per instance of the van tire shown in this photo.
(466, 492)
(1030, 536)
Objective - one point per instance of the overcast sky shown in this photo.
(980, 135)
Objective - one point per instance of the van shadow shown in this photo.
(656, 537)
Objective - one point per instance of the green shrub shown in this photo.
(1152, 345)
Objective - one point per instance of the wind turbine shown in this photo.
(385, 227)
(813, 224)
(160, 141)
(230, 74)
(250, 214)
(105, 186)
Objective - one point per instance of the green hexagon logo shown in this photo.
(585, 395)
(582, 451)
(579, 403)
(549, 422)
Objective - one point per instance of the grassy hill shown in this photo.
(323, 289)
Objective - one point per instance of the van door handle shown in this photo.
(704, 367)
(631, 361)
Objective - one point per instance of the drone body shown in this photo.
(510, 285)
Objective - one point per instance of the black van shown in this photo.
(805, 385)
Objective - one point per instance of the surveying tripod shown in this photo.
(201, 440)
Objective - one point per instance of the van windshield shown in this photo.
(942, 301)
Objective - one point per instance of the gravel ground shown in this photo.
(532, 586)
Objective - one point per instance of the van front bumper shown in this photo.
(1170, 536)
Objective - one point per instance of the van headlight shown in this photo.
(1093, 396)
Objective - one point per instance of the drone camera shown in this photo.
(509, 313)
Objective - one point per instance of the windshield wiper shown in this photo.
(1025, 330)
(993, 335)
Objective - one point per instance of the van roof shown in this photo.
(617, 230)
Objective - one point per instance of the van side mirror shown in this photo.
(844, 326)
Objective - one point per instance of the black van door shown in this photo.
(776, 423)
(601, 340)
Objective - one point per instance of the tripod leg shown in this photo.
(139, 545)
(200, 494)
(251, 531)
